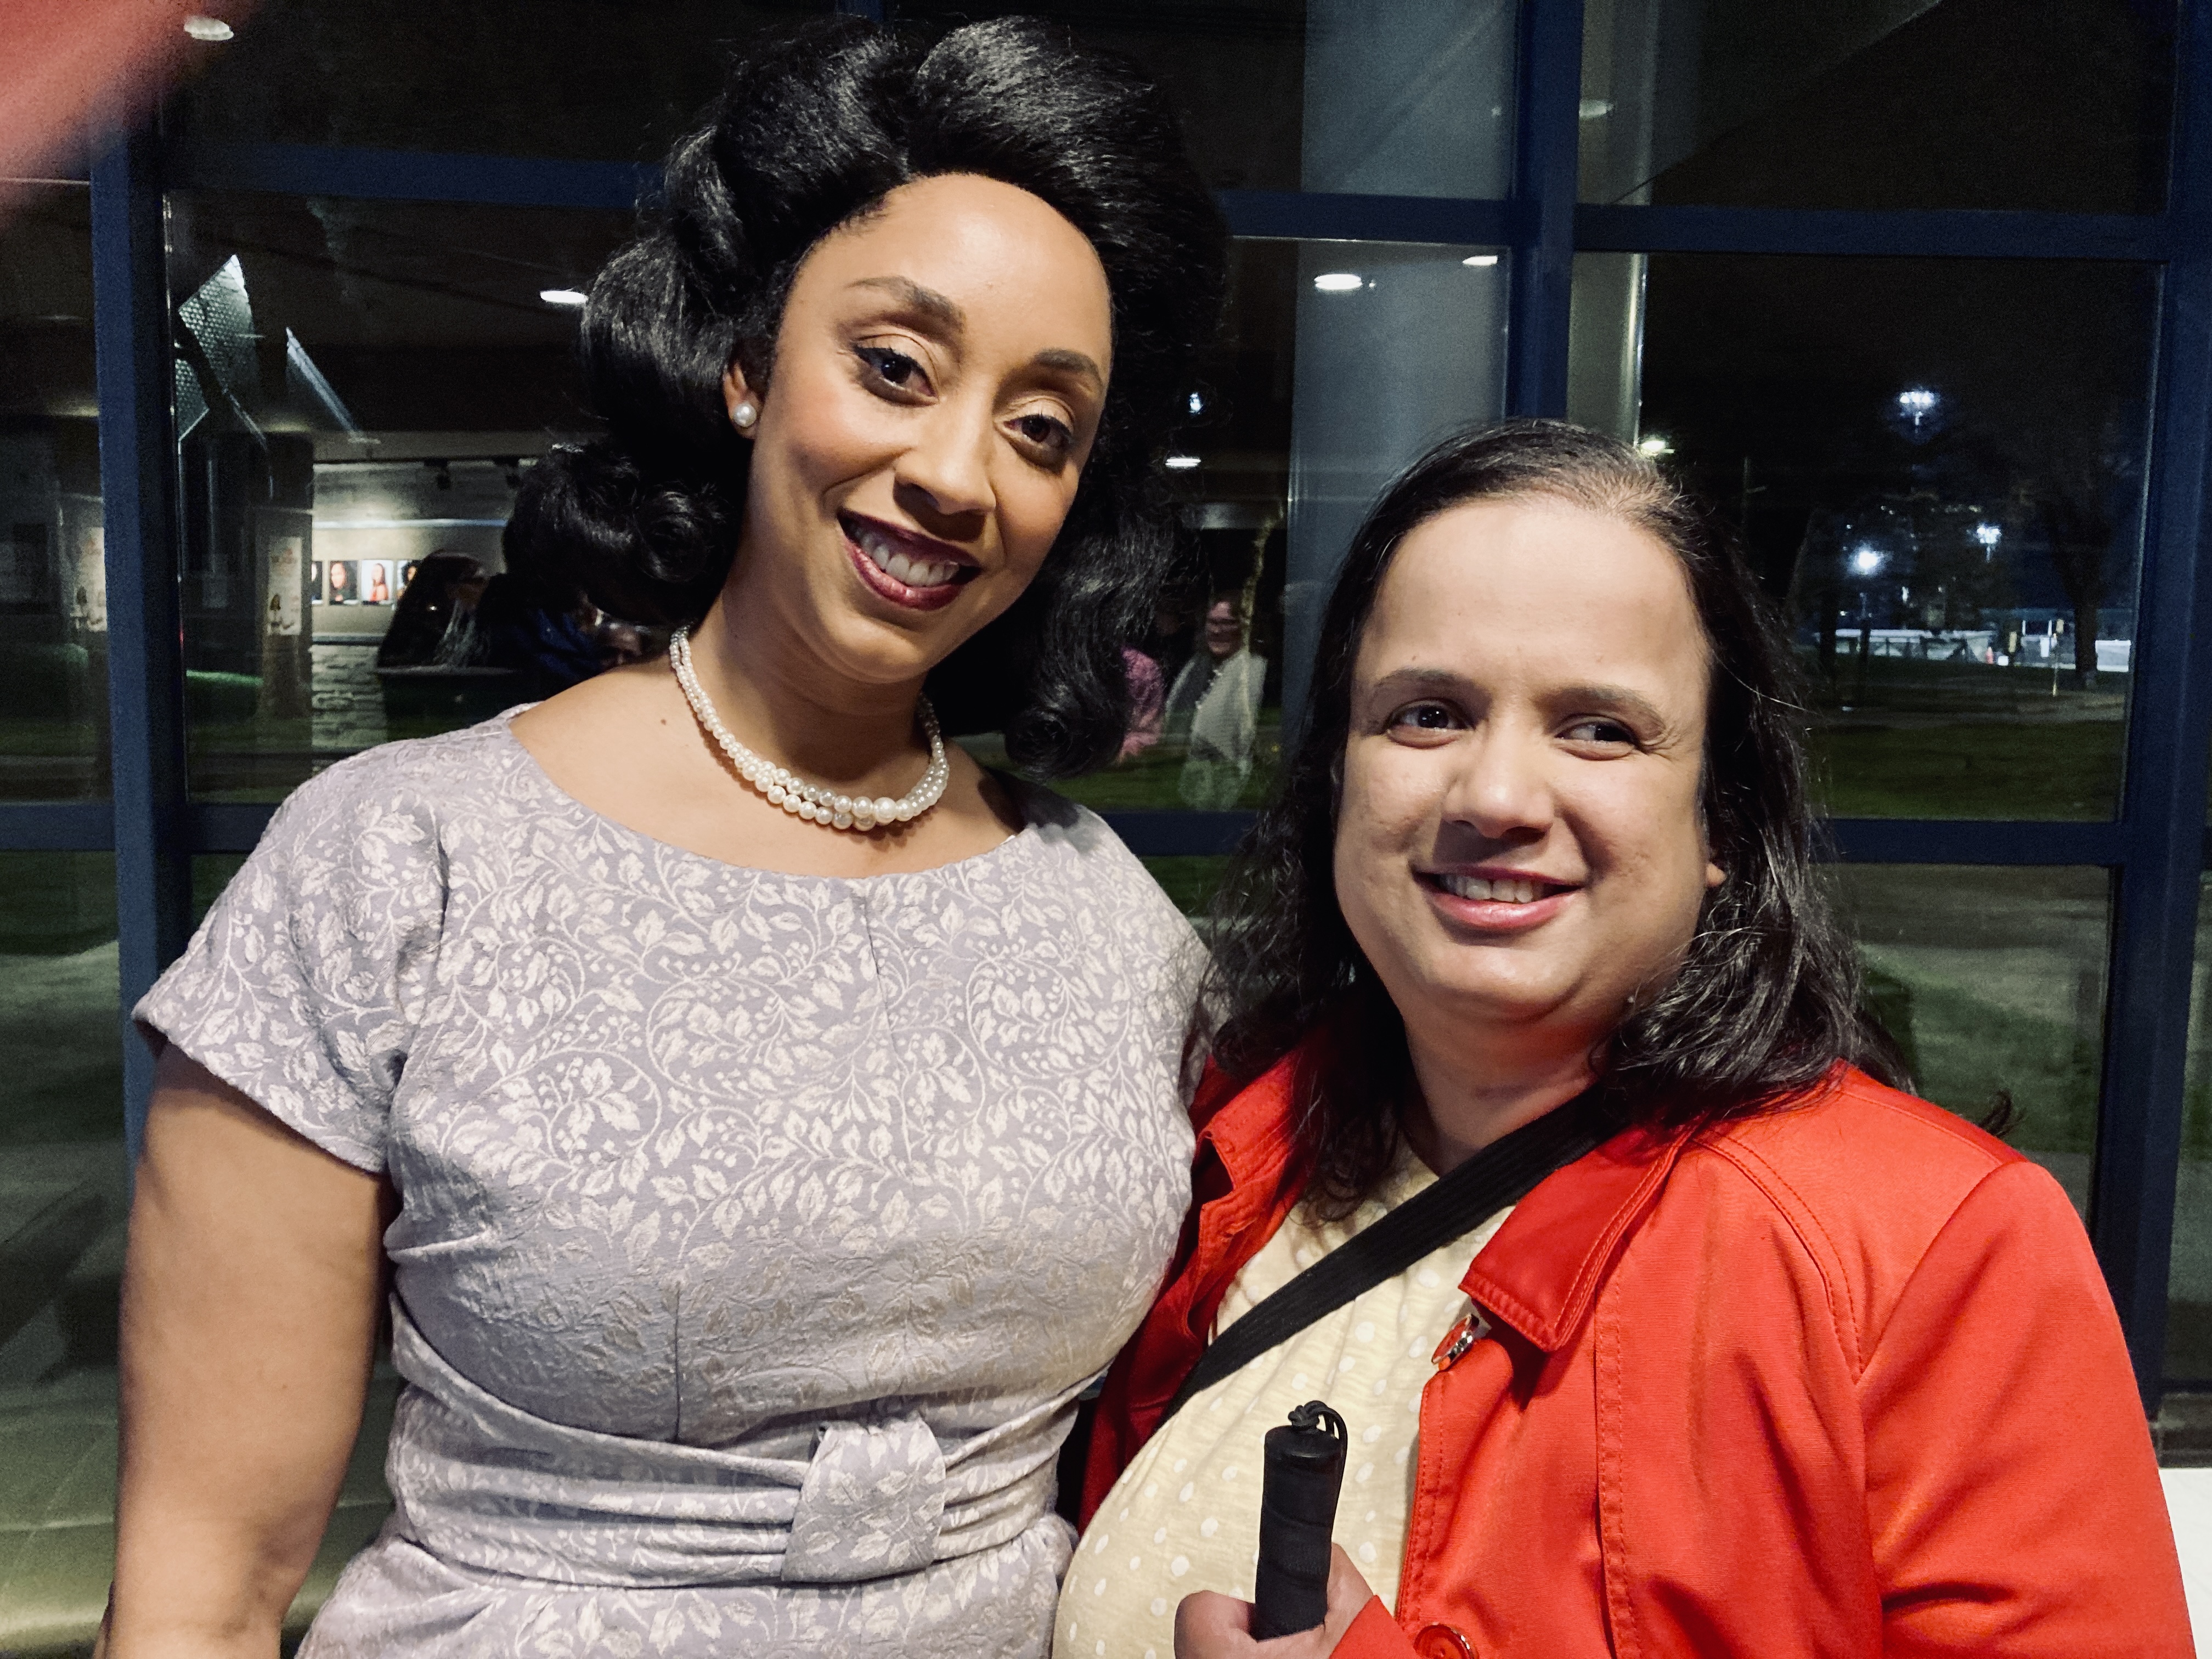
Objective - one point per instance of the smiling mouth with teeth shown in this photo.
(913, 570)
(1507, 890)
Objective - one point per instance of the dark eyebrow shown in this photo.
(1071, 362)
(937, 309)
(927, 301)
(1614, 696)
(1420, 679)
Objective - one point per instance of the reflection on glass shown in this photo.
(64, 1204)
(1993, 980)
(53, 585)
(1878, 103)
(1936, 466)
(1189, 882)
(518, 77)
(360, 388)
(1340, 362)
(1399, 96)
(1389, 97)
(2189, 1283)
(62, 1193)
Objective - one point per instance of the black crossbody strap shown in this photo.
(1504, 1172)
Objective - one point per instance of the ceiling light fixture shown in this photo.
(559, 296)
(1339, 282)
(1182, 462)
(1480, 260)
(208, 28)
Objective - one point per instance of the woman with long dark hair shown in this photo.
(766, 1121)
(1711, 1340)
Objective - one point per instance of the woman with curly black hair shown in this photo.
(766, 1121)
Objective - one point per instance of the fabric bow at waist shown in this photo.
(483, 1484)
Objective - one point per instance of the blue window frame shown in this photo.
(2156, 848)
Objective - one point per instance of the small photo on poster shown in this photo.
(315, 582)
(338, 580)
(375, 579)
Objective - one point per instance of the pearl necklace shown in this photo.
(796, 796)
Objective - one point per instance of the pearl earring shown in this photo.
(743, 418)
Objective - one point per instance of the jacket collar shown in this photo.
(1248, 1128)
(1539, 1271)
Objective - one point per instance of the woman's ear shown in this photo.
(739, 400)
(1713, 874)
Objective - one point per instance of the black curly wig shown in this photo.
(808, 133)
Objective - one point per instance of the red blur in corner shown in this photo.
(75, 71)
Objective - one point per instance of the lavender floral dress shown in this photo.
(758, 1231)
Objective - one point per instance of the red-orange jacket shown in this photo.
(1842, 1380)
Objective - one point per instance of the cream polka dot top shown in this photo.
(1185, 1514)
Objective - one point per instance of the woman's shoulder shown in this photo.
(432, 781)
(1864, 1174)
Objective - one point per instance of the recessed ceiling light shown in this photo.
(1339, 282)
(1479, 260)
(207, 28)
(1182, 462)
(559, 296)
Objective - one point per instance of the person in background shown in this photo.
(1146, 702)
(766, 1121)
(528, 621)
(1215, 705)
(1786, 1363)
(444, 587)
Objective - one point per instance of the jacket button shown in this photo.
(1443, 1642)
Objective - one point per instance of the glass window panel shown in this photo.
(1277, 94)
(63, 1197)
(1993, 980)
(1394, 97)
(575, 79)
(2189, 1282)
(1339, 363)
(54, 587)
(1936, 466)
(360, 387)
(1878, 103)
(64, 1205)
(1189, 881)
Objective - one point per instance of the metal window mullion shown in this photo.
(1545, 161)
(2163, 798)
(145, 666)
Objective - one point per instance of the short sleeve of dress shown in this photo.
(305, 984)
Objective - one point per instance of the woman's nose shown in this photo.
(946, 473)
(1502, 788)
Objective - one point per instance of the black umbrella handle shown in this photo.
(1304, 1471)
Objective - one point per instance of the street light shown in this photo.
(1865, 559)
(1917, 402)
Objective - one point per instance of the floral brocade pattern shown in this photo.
(758, 1231)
